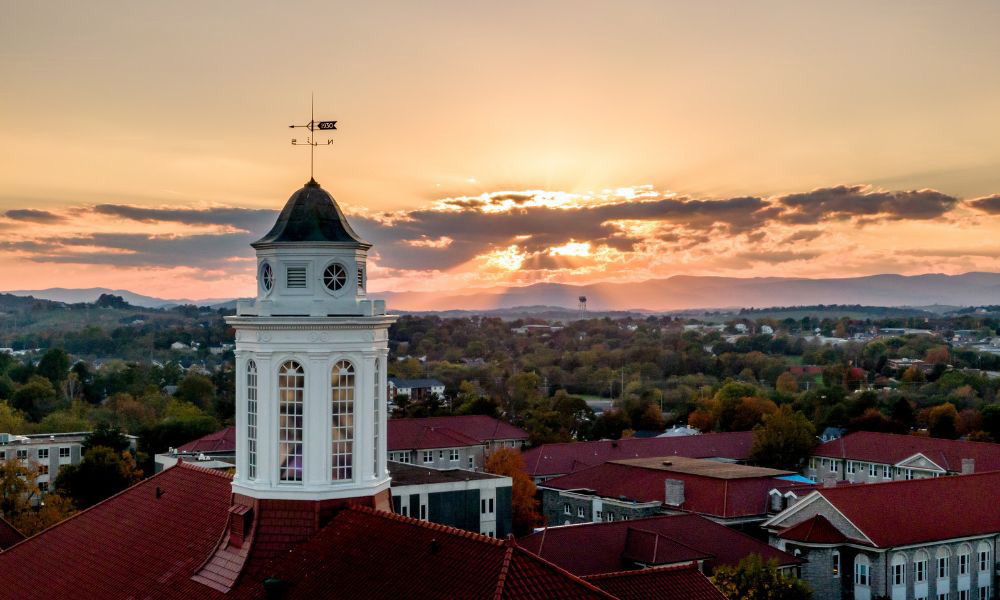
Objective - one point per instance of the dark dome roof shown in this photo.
(311, 215)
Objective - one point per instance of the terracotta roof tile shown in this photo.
(220, 441)
(9, 535)
(666, 583)
(449, 432)
(891, 448)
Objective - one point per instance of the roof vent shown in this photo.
(668, 463)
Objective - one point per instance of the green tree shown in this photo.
(784, 440)
(754, 579)
(36, 398)
(54, 365)
(108, 436)
(102, 473)
(991, 420)
(198, 390)
(942, 421)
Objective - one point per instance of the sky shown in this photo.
(144, 145)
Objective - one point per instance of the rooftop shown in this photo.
(449, 432)
(948, 507)
(892, 448)
(702, 468)
(406, 474)
(611, 546)
(673, 582)
(214, 443)
(557, 459)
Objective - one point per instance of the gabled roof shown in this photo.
(449, 432)
(376, 554)
(816, 530)
(892, 448)
(220, 441)
(682, 583)
(311, 215)
(415, 383)
(898, 513)
(605, 544)
(558, 459)
(729, 496)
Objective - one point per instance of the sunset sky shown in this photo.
(144, 145)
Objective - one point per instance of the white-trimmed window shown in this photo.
(835, 566)
(983, 553)
(342, 428)
(899, 570)
(851, 467)
(861, 570)
(428, 456)
(599, 515)
(251, 419)
(963, 594)
(21, 454)
(579, 511)
(985, 592)
(611, 517)
(943, 558)
(378, 409)
(43, 486)
(964, 559)
(291, 396)
(43, 469)
(64, 452)
(43, 454)
(872, 470)
(886, 472)
(920, 567)
(566, 509)
(453, 455)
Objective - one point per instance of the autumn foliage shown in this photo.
(507, 461)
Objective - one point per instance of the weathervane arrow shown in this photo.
(311, 141)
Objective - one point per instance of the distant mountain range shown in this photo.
(657, 295)
(74, 295)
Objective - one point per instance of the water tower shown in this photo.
(583, 304)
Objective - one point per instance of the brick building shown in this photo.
(460, 442)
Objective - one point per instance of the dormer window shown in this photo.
(335, 277)
(296, 277)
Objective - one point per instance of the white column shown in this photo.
(364, 413)
(316, 427)
(241, 414)
(267, 418)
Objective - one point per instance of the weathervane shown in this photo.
(311, 141)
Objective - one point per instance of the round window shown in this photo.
(335, 277)
(266, 277)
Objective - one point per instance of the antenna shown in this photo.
(312, 126)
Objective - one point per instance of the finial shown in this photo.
(312, 183)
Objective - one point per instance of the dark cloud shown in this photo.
(777, 256)
(847, 202)
(140, 250)
(805, 235)
(33, 215)
(245, 218)
(989, 204)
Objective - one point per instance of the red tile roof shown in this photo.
(898, 513)
(220, 441)
(449, 432)
(680, 583)
(549, 460)
(376, 554)
(713, 496)
(9, 535)
(132, 545)
(815, 530)
(606, 544)
(891, 448)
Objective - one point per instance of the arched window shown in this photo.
(861, 570)
(342, 409)
(291, 395)
(964, 559)
(899, 570)
(983, 554)
(920, 567)
(251, 420)
(943, 557)
(378, 409)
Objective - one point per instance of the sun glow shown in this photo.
(571, 248)
(508, 259)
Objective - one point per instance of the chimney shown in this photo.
(240, 522)
(674, 491)
(968, 466)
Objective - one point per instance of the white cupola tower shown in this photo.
(311, 355)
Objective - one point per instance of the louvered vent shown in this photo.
(296, 277)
